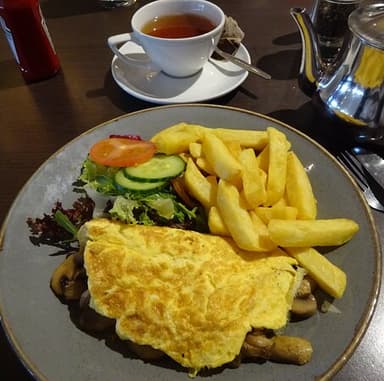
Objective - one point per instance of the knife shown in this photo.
(372, 162)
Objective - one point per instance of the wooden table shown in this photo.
(37, 119)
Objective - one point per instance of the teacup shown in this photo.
(178, 36)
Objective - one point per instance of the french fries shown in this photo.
(299, 189)
(253, 178)
(235, 216)
(177, 138)
(304, 233)
(276, 212)
(216, 224)
(329, 277)
(277, 167)
(247, 138)
(220, 158)
(256, 190)
(202, 188)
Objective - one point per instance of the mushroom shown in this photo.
(89, 319)
(307, 287)
(304, 307)
(68, 279)
(304, 304)
(287, 349)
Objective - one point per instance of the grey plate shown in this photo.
(52, 348)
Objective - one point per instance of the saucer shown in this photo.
(217, 78)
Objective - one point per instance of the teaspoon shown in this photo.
(241, 63)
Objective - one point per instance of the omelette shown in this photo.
(193, 296)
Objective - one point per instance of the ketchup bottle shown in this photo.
(29, 39)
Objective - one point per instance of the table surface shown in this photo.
(37, 119)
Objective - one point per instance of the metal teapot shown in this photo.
(352, 87)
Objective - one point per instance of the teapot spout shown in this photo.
(310, 67)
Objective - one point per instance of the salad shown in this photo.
(122, 178)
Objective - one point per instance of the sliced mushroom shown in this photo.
(307, 287)
(304, 307)
(68, 281)
(304, 304)
(89, 319)
(288, 349)
(292, 350)
(257, 345)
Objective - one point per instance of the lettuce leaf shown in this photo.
(161, 208)
(100, 177)
(155, 209)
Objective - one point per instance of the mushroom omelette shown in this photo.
(192, 296)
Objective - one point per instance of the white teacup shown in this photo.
(178, 57)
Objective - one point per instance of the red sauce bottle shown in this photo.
(29, 39)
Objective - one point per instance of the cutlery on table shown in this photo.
(353, 166)
(241, 63)
(372, 162)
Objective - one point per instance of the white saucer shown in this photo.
(214, 80)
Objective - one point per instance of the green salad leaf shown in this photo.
(100, 177)
(161, 207)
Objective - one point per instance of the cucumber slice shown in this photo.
(136, 186)
(159, 168)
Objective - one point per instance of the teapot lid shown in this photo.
(367, 22)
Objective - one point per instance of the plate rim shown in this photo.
(369, 310)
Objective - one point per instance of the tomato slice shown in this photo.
(121, 152)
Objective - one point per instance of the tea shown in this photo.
(178, 26)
